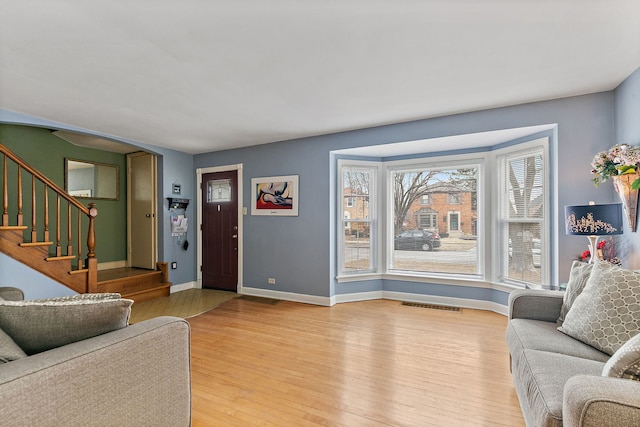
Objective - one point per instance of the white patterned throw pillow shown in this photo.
(625, 363)
(607, 313)
(578, 276)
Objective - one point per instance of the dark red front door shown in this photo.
(220, 230)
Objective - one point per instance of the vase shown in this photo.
(628, 196)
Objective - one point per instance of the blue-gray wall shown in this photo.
(627, 130)
(304, 260)
(300, 251)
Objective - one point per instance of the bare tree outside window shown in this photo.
(525, 211)
(440, 237)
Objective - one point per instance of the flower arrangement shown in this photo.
(621, 159)
(606, 251)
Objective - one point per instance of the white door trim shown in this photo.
(199, 173)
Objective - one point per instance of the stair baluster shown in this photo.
(34, 233)
(58, 246)
(69, 232)
(19, 195)
(35, 252)
(5, 194)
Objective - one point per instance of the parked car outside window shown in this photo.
(416, 240)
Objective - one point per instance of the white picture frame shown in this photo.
(275, 195)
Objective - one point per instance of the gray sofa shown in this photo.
(559, 379)
(138, 375)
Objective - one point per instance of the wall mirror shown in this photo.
(86, 179)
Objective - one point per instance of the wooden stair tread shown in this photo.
(60, 258)
(32, 244)
(13, 227)
(137, 284)
(136, 277)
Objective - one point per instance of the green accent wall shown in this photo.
(46, 153)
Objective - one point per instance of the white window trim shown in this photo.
(500, 240)
(374, 229)
(488, 228)
(478, 160)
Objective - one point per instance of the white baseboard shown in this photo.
(367, 296)
(452, 302)
(287, 296)
(426, 299)
(183, 287)
(361, 296)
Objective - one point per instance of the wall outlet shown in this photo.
(174, 265)
(271, 281)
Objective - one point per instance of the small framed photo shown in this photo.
(275, 195)
(176, 188)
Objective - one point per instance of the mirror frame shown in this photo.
(91, 162)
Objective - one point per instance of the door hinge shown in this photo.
(200, 268)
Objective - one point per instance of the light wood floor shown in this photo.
(374, 363)
(183, 304)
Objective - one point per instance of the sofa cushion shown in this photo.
(539, 378)
(625, 363)
(544, 336)
(9, 350)
(578, 276)
(40, 325)
(607, 312)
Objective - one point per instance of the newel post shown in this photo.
(92, 261)
(91, 233)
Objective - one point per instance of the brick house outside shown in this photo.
(447, 209)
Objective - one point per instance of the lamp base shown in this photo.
(593, 243)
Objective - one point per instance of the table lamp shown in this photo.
(593, 221)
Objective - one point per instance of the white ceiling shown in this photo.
(200, 76)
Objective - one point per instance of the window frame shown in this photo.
(491, 250)
(374, 190)
(501, 221)
(477, 160)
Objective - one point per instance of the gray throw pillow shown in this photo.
(607, 312)
(578, 276)
(625, 363)
(9, 350)
(40, 325)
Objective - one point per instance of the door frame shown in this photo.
(241, 212)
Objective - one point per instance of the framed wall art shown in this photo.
(275, 195)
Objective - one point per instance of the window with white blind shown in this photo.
(523, 216)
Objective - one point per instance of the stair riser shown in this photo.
(148, 295)
(131, 284)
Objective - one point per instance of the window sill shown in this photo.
(358, 277)
(437, 280)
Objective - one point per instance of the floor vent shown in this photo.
(432, 306)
